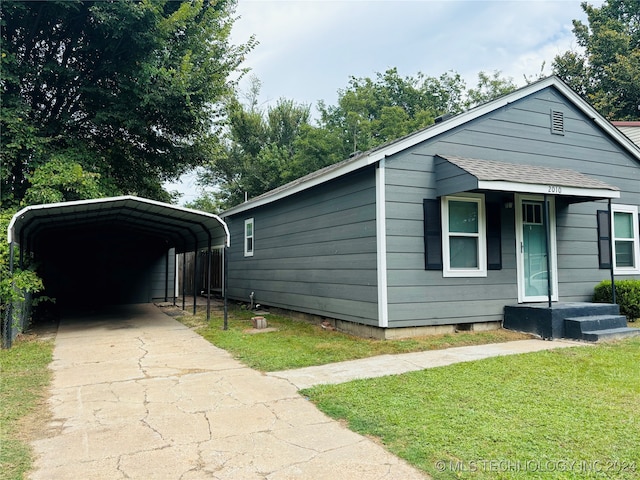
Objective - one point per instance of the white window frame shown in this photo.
(481, 235)
(633, 210)
(248, 252)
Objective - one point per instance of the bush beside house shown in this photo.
(627, 296)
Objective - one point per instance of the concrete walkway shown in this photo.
(408, 362)
(137, 395)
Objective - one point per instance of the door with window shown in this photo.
(532, 250)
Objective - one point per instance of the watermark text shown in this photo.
(505, 465)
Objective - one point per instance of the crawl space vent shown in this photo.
(557, 122)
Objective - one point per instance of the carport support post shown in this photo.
(166, 277)
(225, 277)
(184, 278)
(195, 278)
(209, 280)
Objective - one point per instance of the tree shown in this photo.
(489, 88)
(371, 112)
(257, 152)
(60, 180)
(267, 149)
(607, 72)
(105, 98)
(128, 90)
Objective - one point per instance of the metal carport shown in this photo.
(103, 249)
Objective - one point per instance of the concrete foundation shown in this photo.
(369, 331)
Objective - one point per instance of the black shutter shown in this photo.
(432, 235)
(604, 239)
(494, 237)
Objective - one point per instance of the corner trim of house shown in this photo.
(381, 241)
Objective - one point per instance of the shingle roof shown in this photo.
(491, 170)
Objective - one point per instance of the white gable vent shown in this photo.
(557, 122)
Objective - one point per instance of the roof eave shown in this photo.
(541, 189)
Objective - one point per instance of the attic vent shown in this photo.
(557, 122)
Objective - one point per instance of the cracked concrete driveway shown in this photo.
(137, 395)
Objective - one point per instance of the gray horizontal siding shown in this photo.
(314, 252)
(518, 133)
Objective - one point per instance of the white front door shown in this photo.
(531, 249)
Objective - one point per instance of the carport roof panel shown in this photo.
(196, 227)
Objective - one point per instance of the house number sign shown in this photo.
(554, 189)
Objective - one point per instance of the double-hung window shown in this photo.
(248, 237)
(464, 236)
(626, 244)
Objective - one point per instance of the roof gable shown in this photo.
(396, 146)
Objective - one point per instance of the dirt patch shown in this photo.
(39, 423)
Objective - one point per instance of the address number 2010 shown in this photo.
(554, 189)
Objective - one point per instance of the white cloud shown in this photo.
(309, 49)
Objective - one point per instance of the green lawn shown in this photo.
(567, 413)
(24, 377)
(297, 343)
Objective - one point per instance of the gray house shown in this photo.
(509, 204)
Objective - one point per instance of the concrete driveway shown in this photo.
(137, 395)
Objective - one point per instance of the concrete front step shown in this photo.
(575, 327)
(549, 321)
(610, 334)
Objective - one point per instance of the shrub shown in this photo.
(627, 296)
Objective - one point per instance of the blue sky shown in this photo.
(308, 49)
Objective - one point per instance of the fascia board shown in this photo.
(555, 190)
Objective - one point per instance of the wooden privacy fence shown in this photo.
(186, 275)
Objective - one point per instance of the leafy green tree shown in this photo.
(105, 98)
(267, 149)
(257, 152)
(374, 111)
(607, 72)
(488, 88)
(59, 180)
(129, 90)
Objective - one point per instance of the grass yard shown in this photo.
(563, 414)
(24, 377)
(297, 343)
